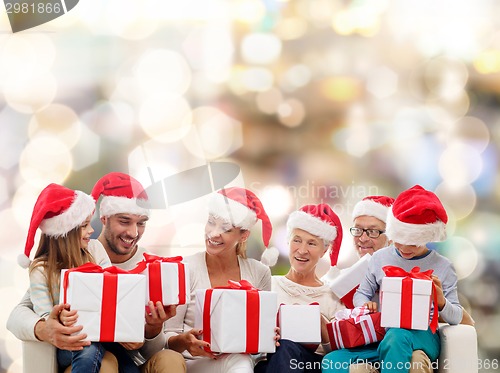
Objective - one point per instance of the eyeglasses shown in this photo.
(372, 233)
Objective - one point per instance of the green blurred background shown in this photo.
(314, 100)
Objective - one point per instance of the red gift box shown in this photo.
(356, 327)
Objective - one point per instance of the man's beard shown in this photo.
(114, 248)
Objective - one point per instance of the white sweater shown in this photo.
(290, 292)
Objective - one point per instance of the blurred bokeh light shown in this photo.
(314, 101)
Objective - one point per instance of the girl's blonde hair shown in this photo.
(63, 252)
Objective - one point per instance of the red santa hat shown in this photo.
(416, 218)
(376, 206)
(57, 211)
(242, 208)
(121, 194)
(321, 221)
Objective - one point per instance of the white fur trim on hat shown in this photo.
(231, 211)
(82, 206)
(315, 226)
(112, 205)
(370, 208)
(414, 234)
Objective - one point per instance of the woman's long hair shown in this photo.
(241, 248)
(54, 254)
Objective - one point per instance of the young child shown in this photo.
(416, 218)
(63, 216)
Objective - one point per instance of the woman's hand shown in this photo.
(189, 341)
(324, 331)
(277, 336)
(68, 317)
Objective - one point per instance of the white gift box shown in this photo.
(109, 310)
(405, 310)
(167, 282)
(300, 323)
(236, 322)
(351, 277)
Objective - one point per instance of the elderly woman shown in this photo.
(312, 231)
(232, 213)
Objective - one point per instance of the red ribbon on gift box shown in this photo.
(109, 295)
(407, 291)
(252, 313)
(153, 264)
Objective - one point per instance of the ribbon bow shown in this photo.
(356, 313)
(152, 258)
(155, 288)
(238, 285)
(149, 258)
(88, 268)
(393, 271)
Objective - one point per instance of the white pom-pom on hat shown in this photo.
(270, 256)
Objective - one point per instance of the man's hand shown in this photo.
(155, 317)
(60, 336)
(188, 341)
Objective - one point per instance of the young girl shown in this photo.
(63, 216)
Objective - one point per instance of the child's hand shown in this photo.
(68, 317)
(439, 292)
(372, 306)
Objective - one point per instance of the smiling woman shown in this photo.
(312, 231)
(232, 214)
